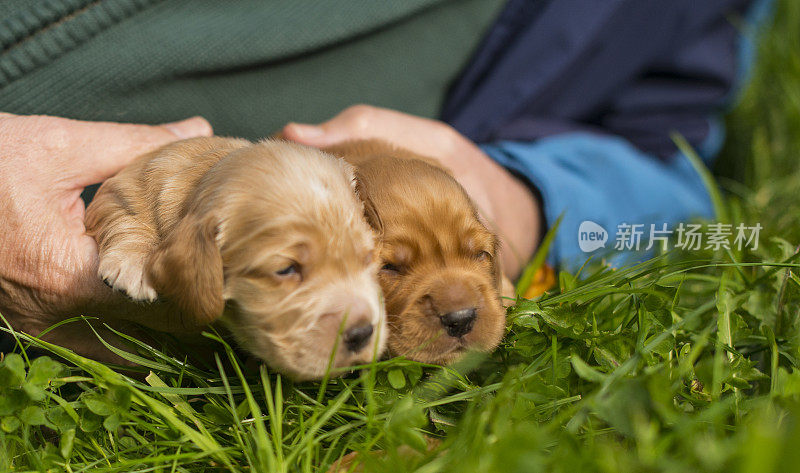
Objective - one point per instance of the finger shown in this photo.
(326, 134)
(352, 123)
(420, 135)
(189, 128)
(96, 151)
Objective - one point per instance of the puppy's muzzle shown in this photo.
(455, 300)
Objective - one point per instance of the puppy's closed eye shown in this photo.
(483, 256)
(392, 269)
(286, 271)
(293, 269)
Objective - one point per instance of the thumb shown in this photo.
(98, 150)
(326, 134)
(189, 128)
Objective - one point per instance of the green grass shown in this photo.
(687, 362)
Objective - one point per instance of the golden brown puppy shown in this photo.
(269, 238)
(439, 273)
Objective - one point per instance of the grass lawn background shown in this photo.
(687, 362)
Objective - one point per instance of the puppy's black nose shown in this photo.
(460, 322)
(356, 337)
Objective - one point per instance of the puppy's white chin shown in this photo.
(304, 353)
(310, 364)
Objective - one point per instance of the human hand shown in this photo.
(505, 203)
(49, 265)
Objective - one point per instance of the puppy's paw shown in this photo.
(125, 273)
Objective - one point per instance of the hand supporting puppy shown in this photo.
(506, 203)
(48, 267)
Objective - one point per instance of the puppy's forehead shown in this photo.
(426, 233)
(425, 212)
(298, 238)
(287, 173)
(401, 186)
(278, 186)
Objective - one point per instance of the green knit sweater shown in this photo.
(248, 66)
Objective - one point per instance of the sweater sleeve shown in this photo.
(604, 180)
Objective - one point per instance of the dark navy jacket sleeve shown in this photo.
(580, 97)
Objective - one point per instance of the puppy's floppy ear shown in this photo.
(497, 271)
(370, 212)
(508, 293)
(186, 268)
(505, 288)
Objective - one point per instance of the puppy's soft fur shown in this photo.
(268, 238)
(440, 273)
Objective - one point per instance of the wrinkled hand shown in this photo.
(506, 203)
(48, 267)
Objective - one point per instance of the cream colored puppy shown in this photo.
(268, 238)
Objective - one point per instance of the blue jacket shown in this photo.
(579, 98)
